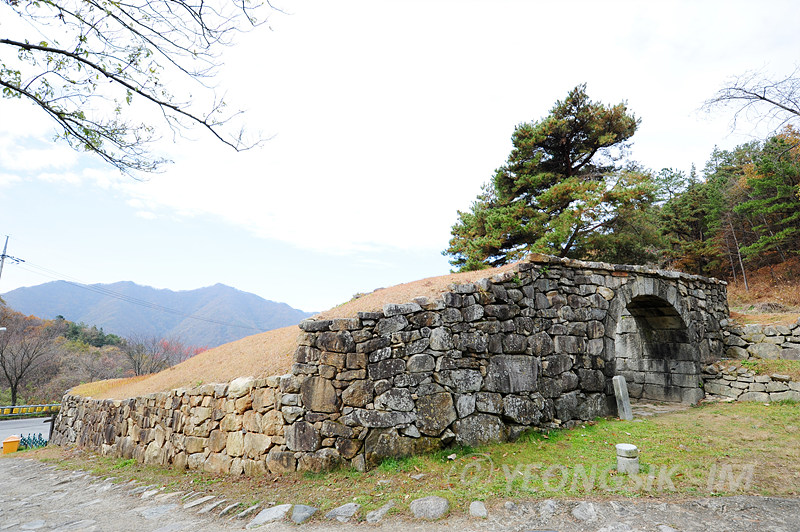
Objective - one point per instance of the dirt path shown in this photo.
(37, 496)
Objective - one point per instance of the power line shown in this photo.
(52, 274)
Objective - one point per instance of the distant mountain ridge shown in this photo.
(242, 313)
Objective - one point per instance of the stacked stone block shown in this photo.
(731, 382)
(532, 347)
(763, 341)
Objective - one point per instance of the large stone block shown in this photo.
(479, 429)
(435, 412)
(302, 436)
(391, 325)
(511, 374)
(319, 395)
(281, 462)
(395, 399)
(420, 363)
(592, 406)
(591, 380)
(217, 464)
(322, 460)
(554, 365)
(460, 380)
(358, 394)
(386, 369)
(379, 418)
(386, 443)
(338, 342)
(256, 445)
(522, 410)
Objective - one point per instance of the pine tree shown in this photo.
(560, 186)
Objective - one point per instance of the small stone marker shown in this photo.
(627, 458)
(623, 401)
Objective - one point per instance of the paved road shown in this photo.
(37, 496)
(23, 427)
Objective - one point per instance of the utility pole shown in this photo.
(4, 256)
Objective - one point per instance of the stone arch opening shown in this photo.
(654, 352)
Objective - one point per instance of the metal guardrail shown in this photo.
(27, 410)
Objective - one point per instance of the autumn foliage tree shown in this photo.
(27, 344)
(151, 354)
(561, 187)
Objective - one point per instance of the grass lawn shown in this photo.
(714, 449)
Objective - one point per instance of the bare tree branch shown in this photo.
(758, 99)
(114, 57)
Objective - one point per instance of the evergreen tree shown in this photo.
(560, 186)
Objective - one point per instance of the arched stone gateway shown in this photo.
(655, 353)
(536, 346)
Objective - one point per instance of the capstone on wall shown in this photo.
(537, 346)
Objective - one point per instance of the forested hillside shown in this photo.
(209, 316)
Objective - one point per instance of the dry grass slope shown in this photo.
(269, 353)
(773, 297)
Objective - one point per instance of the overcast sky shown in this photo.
(386, 117)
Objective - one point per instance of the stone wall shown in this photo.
(537, 346)
(763, 341)
(223, 428)
(728, 381)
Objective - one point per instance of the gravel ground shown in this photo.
(37, 496)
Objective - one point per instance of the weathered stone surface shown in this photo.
(268, 515)
(430, 508)
(441, 340)
(395, 399)
(387, 442)
(522, 410)
(391, 325)
(511, 374)
(380, 419)
(375, 516)
(491, 403)
(281, 462)
(479, 429)
(478, 509)
(465, 405)
(347, 447)
(435, 412)
(217, 464)
(420, 363)
(239, 387)
(554, 365)
(325, 459)
(769, 351)
(319, 395)
(344, 512)
(460, 380)
(302, 513)
(302, 436)
(338, 342)
(256, 445)
(386, 369)
(358, 394)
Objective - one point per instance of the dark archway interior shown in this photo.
(654, 352)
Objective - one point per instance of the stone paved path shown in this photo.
(36, 496)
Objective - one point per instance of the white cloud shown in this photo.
(389, 116)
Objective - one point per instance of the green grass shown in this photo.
(710, 450)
